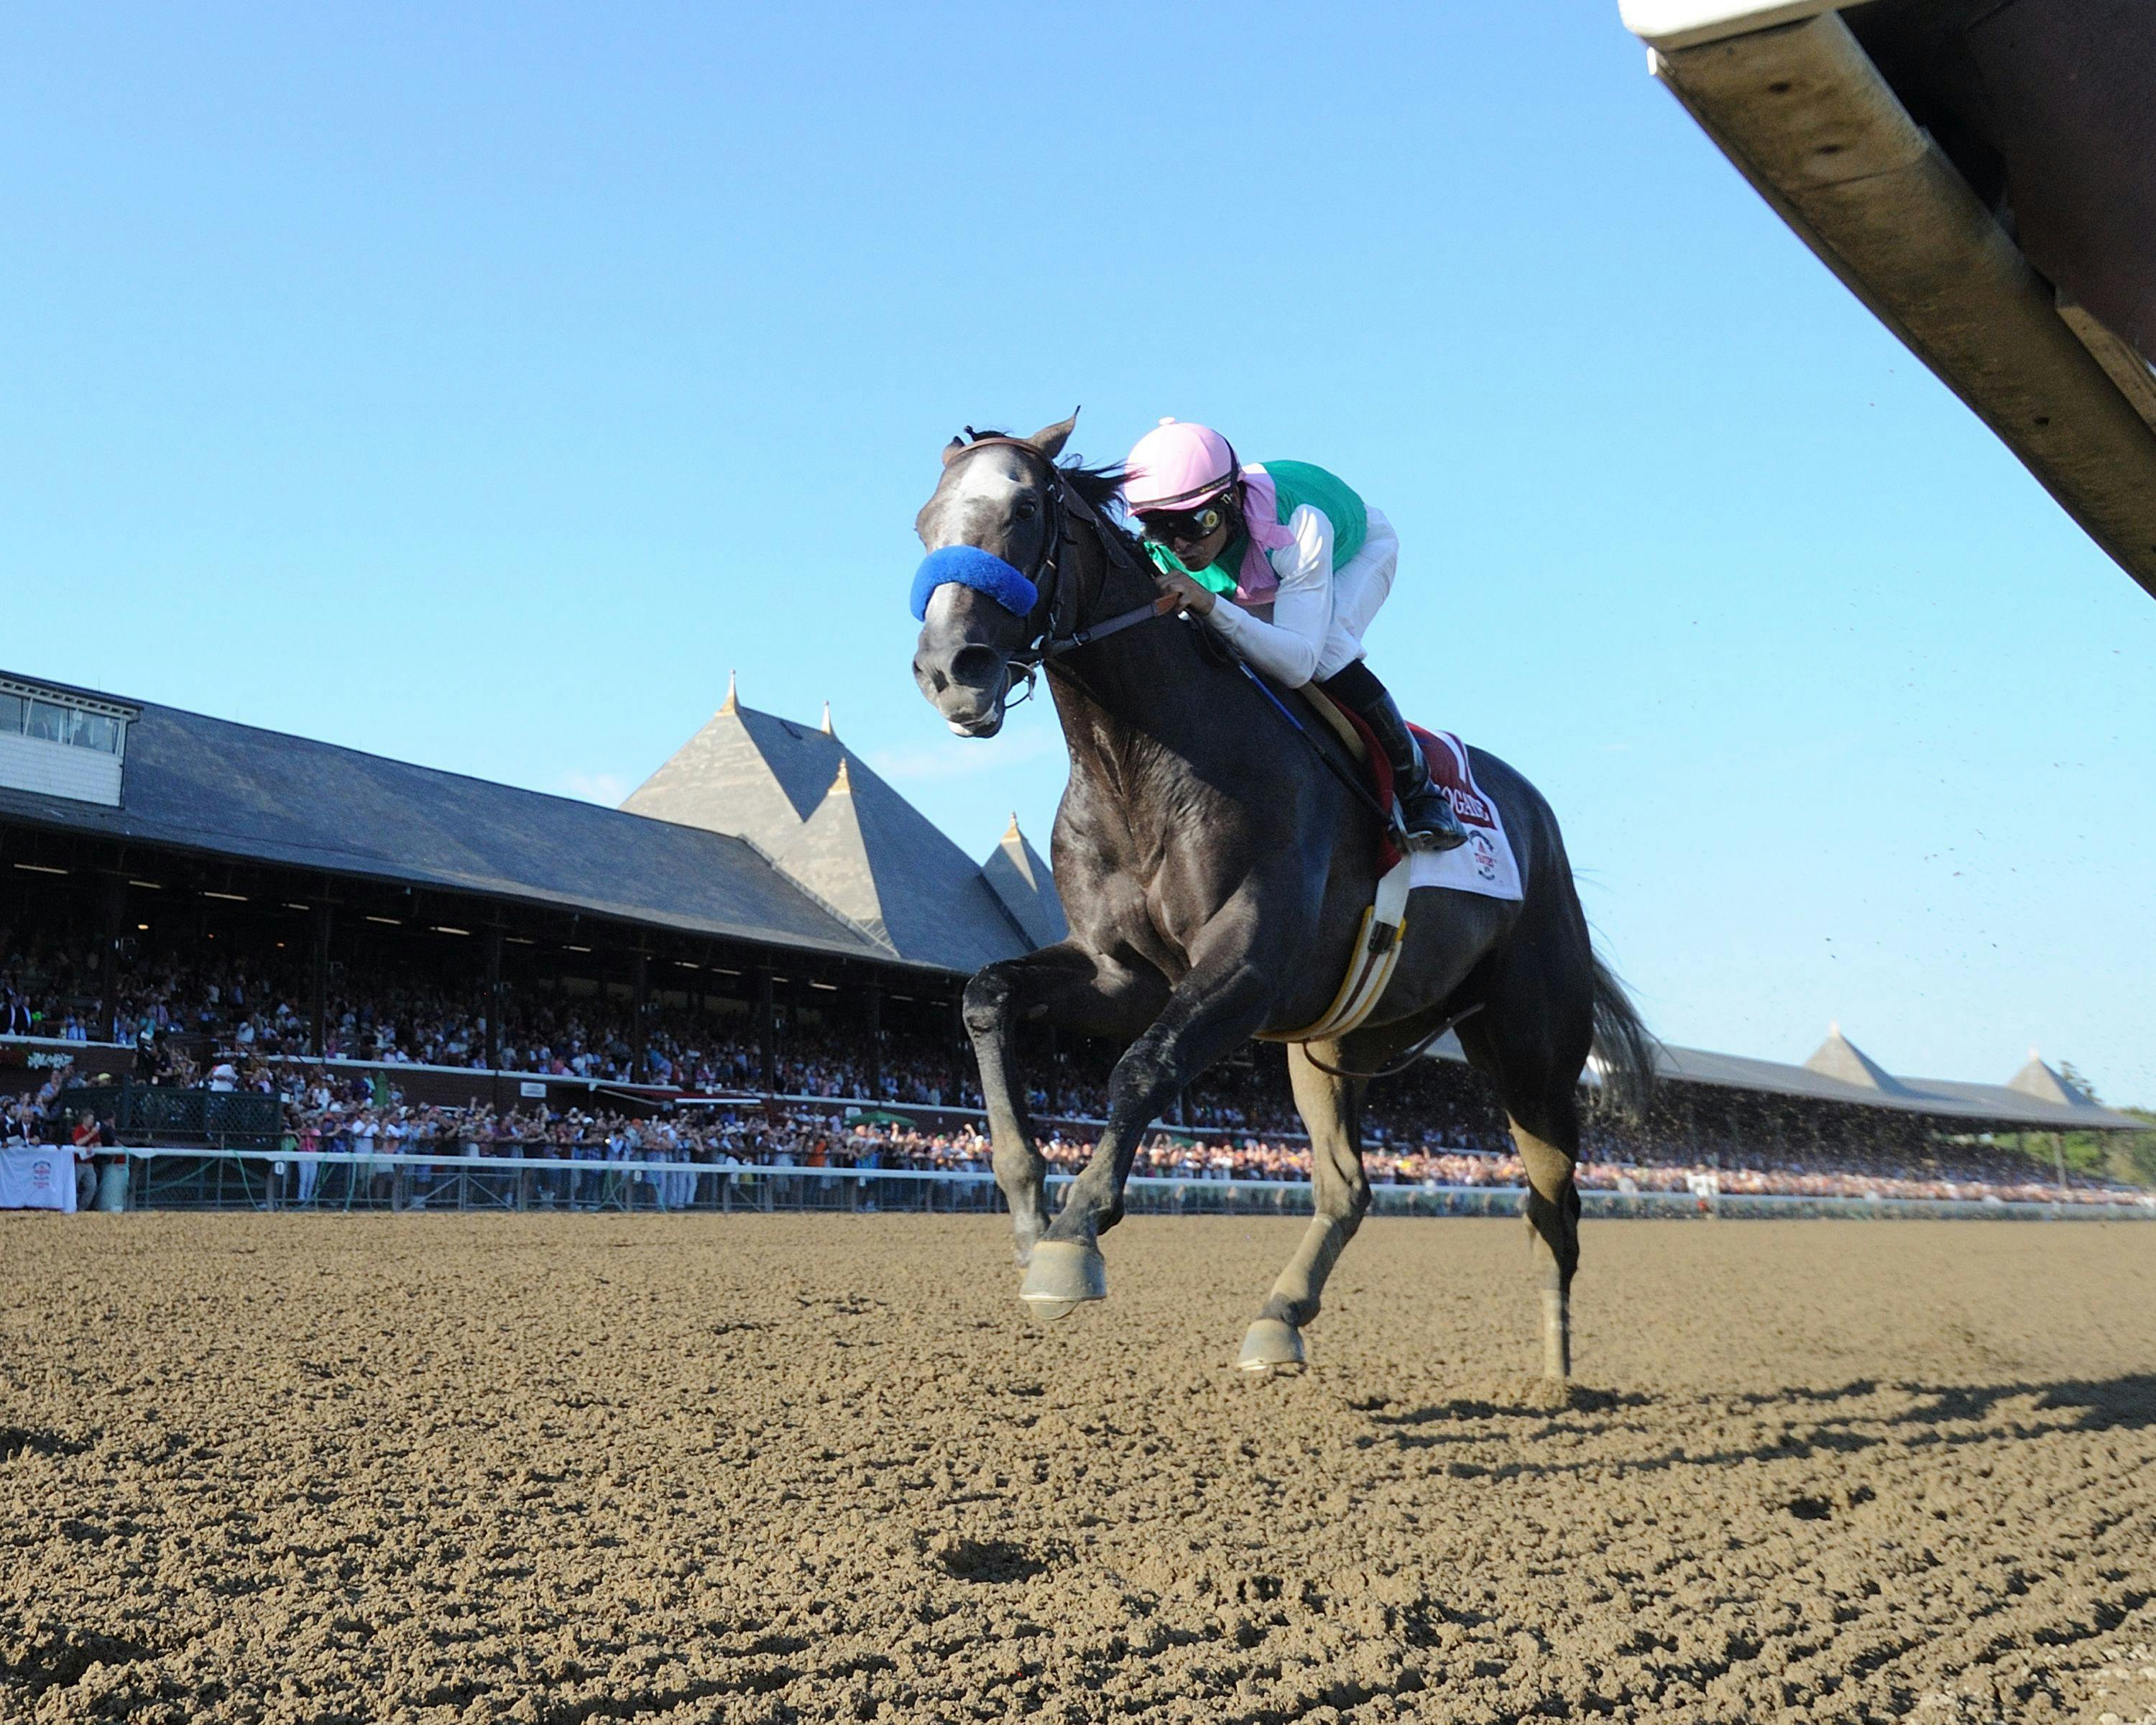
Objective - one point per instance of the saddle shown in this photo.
(1346, 724)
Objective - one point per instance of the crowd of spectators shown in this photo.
(242, 1006)
(181, 1017)
(231, 1026)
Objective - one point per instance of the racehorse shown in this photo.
(1214, 871)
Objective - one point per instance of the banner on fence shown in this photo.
(37, 1177)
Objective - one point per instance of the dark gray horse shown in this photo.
(1215, 873)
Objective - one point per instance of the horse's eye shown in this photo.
(1025, 510)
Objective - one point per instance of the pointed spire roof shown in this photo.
(877, 860)
(2041, 1082)
(825, 819)
(829, 855)
(1021, 882)
(750, 774)
(1841, 1059)
(827, 730)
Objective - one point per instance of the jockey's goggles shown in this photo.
(1183, 526)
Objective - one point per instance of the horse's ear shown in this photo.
(952, 449)
(1050, 440)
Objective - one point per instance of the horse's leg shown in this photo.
(1081, 991)
(1330, 1109)
(1531, 1038)
(1214, 1009)
(1550, 1149)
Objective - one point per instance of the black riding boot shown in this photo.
(1427, 811)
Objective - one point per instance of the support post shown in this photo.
(1055, 1085)
(2059, 1152)
(876, 1041)
(640, 1041)
(115, 923)
(318, 984)
(494, 998)
(766, 1029)
(959, 1045)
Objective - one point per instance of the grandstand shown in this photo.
(764, 917)
(214, 839)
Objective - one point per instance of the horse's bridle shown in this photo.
(1051, 641)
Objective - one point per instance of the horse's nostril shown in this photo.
(976, 667)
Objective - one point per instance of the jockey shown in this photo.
(1287, 566)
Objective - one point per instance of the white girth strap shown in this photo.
(1377, 950)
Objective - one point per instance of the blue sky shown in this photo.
(477, 385)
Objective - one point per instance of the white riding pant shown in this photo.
(1358, 589)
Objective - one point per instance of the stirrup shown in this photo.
(1449, 837)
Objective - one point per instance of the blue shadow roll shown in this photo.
(969, 566)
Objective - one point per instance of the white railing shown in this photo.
(272, 1179)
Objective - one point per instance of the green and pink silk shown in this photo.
(1272, 492)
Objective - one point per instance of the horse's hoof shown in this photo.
(1063, 1273)
(1048, 1311)
(1272, 1346)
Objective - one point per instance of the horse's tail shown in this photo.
(1624, 1047)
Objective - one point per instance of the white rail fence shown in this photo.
(167, 1178)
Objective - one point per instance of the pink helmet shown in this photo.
(1176, 465)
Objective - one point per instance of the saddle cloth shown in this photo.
(1486, 864)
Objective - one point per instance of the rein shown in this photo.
(1356, 788)
(1053, 646)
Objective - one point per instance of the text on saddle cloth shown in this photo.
(1487, 863)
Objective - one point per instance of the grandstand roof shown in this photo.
(1017, 876)
(2017, 1106)
(825, 819)
(1839, 1058)
(2037, 1099)
(1976, 172)
(231, 790)
(753, 775)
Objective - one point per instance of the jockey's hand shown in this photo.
(1189, 594)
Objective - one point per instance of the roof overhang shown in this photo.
(2043, 332)
(360, 871)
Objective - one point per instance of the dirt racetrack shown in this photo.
(777, 1468)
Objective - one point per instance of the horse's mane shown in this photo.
(1102, 487)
